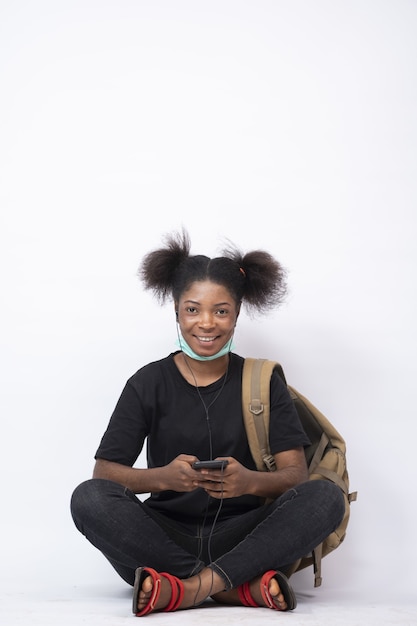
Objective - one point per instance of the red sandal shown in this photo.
(246, 598)
(177, 590)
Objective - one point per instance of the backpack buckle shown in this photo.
(256, 407)
(270, 463)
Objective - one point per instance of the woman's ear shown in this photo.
(176, 310)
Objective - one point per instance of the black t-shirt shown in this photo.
(158, 405)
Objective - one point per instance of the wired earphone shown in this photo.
(206, 410)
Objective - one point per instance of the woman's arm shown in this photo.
(177, 476)
(291, 471)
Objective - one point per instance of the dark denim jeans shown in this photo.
(130, 534)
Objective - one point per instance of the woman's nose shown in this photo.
(206, 320)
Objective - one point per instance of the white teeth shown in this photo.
(206, 339)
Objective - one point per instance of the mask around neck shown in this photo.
(193, 355)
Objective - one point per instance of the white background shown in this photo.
(289, 126)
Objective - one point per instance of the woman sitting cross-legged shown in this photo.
(228, 533)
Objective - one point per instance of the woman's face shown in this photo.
(207, 315)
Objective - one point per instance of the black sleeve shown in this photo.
(285, 431)
(123, 440)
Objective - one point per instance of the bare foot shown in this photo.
(196, 590)
(232, 596)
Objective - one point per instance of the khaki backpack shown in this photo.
(326, 456)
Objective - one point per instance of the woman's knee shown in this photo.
(326, 494)
(88, 498)
(80, 501)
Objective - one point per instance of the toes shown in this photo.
(147, 585)
(145, 592)
(276, 594)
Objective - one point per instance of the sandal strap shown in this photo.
(177, 592)
(245, 595)
(266, 596)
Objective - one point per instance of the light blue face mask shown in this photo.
(190, 352)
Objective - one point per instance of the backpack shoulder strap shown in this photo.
(256, 382)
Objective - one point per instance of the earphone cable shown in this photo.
(206, 410)
(210, 537)
(216, 517)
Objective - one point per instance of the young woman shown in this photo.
(203, 532)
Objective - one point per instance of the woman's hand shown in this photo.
(179, 474)
(230, 482)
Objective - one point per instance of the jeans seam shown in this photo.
(223, 574)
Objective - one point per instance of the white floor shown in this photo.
(110, 604)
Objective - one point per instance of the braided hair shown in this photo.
(255, 279)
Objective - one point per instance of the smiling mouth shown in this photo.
(206, 339)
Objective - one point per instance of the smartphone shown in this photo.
(218, 464)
